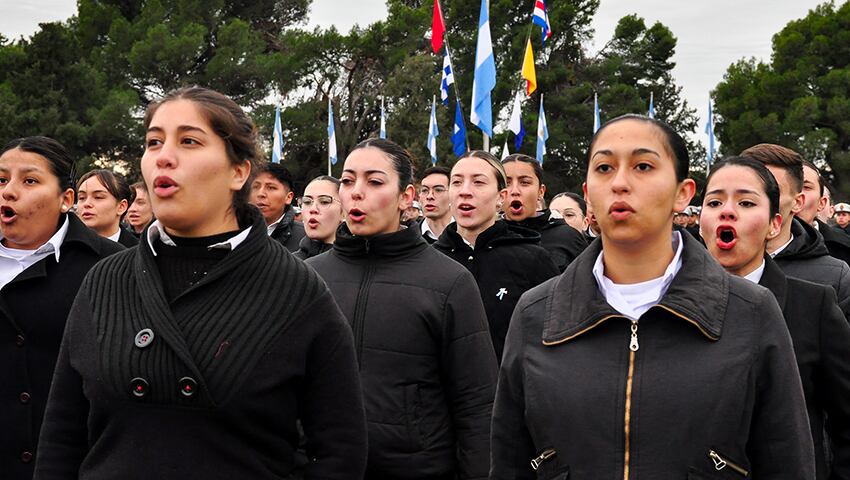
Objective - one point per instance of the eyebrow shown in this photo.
(637, 151)
(181, 128)
(23, 169)
(367, 172)
(739, 191)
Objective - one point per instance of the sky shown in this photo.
(712, 35)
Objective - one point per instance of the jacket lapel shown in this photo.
(774, 280)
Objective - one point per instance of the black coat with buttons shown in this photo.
(209, 385)
(506, 261)
(33, 308)
(563, 242)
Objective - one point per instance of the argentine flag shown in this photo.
(331, 134)
(709, 130)
(433, 132)
(277, 137)
(485, 75)
(383, 133)
(542, 133)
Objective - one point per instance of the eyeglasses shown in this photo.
(322, 201)
(439, 189)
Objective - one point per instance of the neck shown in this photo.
(471, 234)
(274, 218)
(747, 269)
(227, 224)
(437, 225)
(108, 231)
(636, 262)
(781, 239)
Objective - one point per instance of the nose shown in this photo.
(513, 189)
(165, 157)
(620, 182)
(357, 190)
(728, 213)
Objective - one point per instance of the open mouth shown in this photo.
(164, 186)
(726, 237)
(312, 223)
(516, 207)
(7, 214)
(620, 210)
(465, 208)
(356, 214)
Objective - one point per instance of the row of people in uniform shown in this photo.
(198, 352)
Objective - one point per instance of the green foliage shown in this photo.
(801, 99)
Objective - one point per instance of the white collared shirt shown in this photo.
(755, 275)
(156, 231)
(14, 261)
(426, 229)
(783, 247)
(115, 236)
(633, 300)
(270, 228)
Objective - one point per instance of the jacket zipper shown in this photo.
(545, 455)
(360, 310)
(627, 418)
(720, 463)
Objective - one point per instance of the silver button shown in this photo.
(144, 338)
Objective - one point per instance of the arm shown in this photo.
(780, 444)
(469, 366)
(63, 443)
(833, 382)
(333, 416)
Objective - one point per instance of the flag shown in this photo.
(277, 137)
(541, 18)
(459, 133)
(438, 28)
(597, 121)
(528, 70)
(433, 132)
(505, 151)
(651, 112)
(709, 130)
(485, 75)
(331, 135)
(383, 133)
(515, 123)
(448, 79)
(542, 133)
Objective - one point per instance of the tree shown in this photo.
(800, 99)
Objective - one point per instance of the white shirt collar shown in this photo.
(633, 300)
(54, 244)
(270, 228)
(157, 231)
(426, 228)
(755, 275)
(114, 237)
(783, 247)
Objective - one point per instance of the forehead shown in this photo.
(626, 136)
(91, 184)
(320, 187)
(809, 174)
(473, 166)
(562, 203)
(735, 177)
(519, 169)
(17, 159)
(179, 112)
(369, 159)
(266, 177)
(435, 179)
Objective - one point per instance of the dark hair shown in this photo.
(400, 158)
(578, 199)
(779, 156)
(435, 171)
(229, 122)
(115, 184)
(279, 172)
(134, 188)
(771, 187)
(61, 164)
(519, 157)
(501, 176)
(811, 165)
(675, 143)
(326, 178)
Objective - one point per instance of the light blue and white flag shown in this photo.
(542, 133)
(459, 135)
(447, 79)
(485, 75)
(331, 136)
(651, 112)
(709, 130)
(515, 123)
(433, 132)
(277, 137)
(597, 120)
(383, 133)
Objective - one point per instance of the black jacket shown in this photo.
(33, 310)
(310, 248)
(127, 238)
(807, 257)
(426, 360)
(215, 389)
(837, 242)
(821, 338)
(710, 368)
(506, 261)
(563, 242)
(289, 232)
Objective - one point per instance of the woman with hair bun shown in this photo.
(196, 354)
(423, 347)
(44, 254)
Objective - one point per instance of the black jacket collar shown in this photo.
(774, 279)
(699, 294)
(807, 242)
(310, 248)
(540, 222)
(397, 244)
(500, 233)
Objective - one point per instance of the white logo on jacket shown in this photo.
(502, 292)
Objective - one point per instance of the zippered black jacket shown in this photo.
(310, 248)
(821, 338)
(289, 232)
(563, 242)
(426, 360)
(506, 261)
(710, 390)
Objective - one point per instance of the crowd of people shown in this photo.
(206, 323)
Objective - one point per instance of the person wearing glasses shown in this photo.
(322, 213)
(434, 196)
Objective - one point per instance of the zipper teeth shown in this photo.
(566, 339)
(628, 415)
(360, 313)
(692, 322)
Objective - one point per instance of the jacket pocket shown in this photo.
(723, 468)
(548, 467)
(412, 417)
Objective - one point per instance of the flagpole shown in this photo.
(456, 76)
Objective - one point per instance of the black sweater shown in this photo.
(258, 340)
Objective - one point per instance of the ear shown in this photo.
(584, 191)
(822, 203)
(685, 192)
(775, 226)
(542, 192)
(123, 205)
(799, 200)
(240, 172)
(66, 201)
(289, 197)
(503, 197)
(406, 198)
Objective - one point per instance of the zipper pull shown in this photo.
(719, 463)
(633, 345)
(547, 454)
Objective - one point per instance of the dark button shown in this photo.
(188, 385)
(26, 456)
(144, 338)
(24, 397)
(139, 387)
(19, 340)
